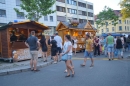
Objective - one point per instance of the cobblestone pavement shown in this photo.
(104, 73)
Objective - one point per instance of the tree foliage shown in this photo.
(125, 9)
(36, 8)
(106, 15)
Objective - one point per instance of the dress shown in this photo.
(75, 43)
(44, 46)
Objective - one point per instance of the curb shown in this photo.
(22, 69)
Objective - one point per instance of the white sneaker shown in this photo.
(55, 62)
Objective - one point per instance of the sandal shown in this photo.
(67, 76)
(36, 70)
(73, 74)
(91, 65)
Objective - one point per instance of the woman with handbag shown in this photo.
(67, 55)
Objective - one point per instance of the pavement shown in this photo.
(23, 66)
(104, 73)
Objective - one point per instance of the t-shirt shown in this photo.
(110, 40)
(59, 41)
(122, 39)
(66, 45)
(54, 44)
(115, 41)
(89, 44)
(32, 42)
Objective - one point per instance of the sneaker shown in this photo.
(55, 62)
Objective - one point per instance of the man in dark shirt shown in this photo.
(33, 43)
(54, 49)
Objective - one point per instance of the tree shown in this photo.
(125, 9)
(107, 15)
(36, 8)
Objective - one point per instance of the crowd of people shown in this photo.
(108, 46)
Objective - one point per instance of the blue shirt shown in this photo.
(32, 42)
(105, 42)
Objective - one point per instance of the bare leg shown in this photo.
(92, 60)
(109, 54)
(85, 60)
(69, 68)
(31, 64)
(35, 64)
(43, 55)
(75, 50)
(46, 55)
(71, 64)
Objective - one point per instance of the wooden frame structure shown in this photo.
(78, 31)
(7, 48)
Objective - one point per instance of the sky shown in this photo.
(99, 5)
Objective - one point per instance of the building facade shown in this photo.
(123, 27)
(65, 9)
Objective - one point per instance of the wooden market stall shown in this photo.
(13, 36)
(76, 29)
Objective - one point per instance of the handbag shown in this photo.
(64, 57)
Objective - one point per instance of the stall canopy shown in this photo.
(25, 24)
(113, 34)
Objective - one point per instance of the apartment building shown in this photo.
(65, 9)
(74, 9)
(123, 27)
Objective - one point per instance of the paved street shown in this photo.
(104, 73)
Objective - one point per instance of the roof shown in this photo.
(80, 25)
(37, 24)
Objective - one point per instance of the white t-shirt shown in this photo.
(115, 40)
(75, 41)
(59, 41)
(65, 48)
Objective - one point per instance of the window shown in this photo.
(113, 29)
(72, 2)
(61, 9)
(81, 20)
(128, 28)
(51, 18)
(73, 11)
(18, 2)
(84, 13)
(61, 1)
(82, 4)
(125, 28)
(127, 22)
(119, 21)
(2, 13)
(20, 15)
(45, 18)
(120, 28)
(112, 22)
(106, 23)
(102, 30)
(2, 1)
(90, 14)
(107, 30)
(90, 6)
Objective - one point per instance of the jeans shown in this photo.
(128, 46)
(110, 48)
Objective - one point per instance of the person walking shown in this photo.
(75, 44)
(122, 39)
(43, 42)
(125, 44)
(110, 46)
(128, 42)
(119, 47)
(59, 46)
(53, 44)
(67, 49)
(33, 43)
(96, 46)
(88, 51)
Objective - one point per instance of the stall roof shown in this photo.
(85, 25)
(24, 23)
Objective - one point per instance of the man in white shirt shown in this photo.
(122, 39)
(59, 45)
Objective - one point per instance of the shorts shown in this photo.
(59, 50)
(34, 55)
(53, 51)
(87, 54)
(44, 49)
(69, 57)
(110, 48)
(119, 51)
(75, 46)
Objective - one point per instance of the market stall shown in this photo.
(13, 37)
(77, 30)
